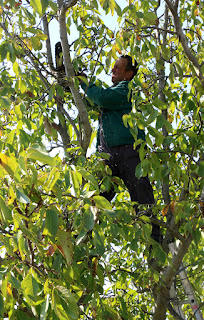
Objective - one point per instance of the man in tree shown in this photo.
(116, 139)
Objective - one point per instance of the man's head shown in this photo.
(123, 69)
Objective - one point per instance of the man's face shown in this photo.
(119, 72)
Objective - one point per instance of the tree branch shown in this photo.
(62, 128)
(66, 114)
(83, 115)
(174, 313)
(163, 288)
(66, 5)
(48, 45)
(183, 40)
(173, 231)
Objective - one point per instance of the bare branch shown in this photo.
(48, 45)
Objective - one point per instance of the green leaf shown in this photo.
(53, 5)
(40, 155)
(139, 171)
(77, 181)
(98, 238)
(155, 133)
(1, 306)
(145, 219)
(102, 202)
(5, 211)
(59, 307)
(37, 6)
(60, 91)
(109, 313)
(134, 244)
(4, 103)
(44, 308)
(88, 176)
(88, 220)
(53, 177)
(159, 103)
(103, 155)
(21, 245)
(29, 286)
(21, 315)
(201, 169)
(67, 179)
(150, 17)
(146, 167)
(52, 222)
(71, 303)
(36, 44)
(160, 121)
(20, 224)
(22, 196)
(14, 281)
(81, 236)
(22, 164)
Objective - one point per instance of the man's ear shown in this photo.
(129, 74)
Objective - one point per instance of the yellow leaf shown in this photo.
(11, 197)
(117, 48)
(9, 290)
(170, 118)
(6, 163)
(189, 35)
(28, 43)
(196, 12)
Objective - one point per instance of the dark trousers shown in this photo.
(123, 161)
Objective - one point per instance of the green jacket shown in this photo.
(113, 103)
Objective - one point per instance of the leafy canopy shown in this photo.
(66, 251)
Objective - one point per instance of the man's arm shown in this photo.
(111, 98)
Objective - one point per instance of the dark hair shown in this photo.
(130, 66)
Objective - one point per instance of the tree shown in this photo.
(66, 252)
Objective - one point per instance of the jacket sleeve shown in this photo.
(111, 98)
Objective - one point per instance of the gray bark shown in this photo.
(83, 115)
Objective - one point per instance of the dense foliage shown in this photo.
(66, 252)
